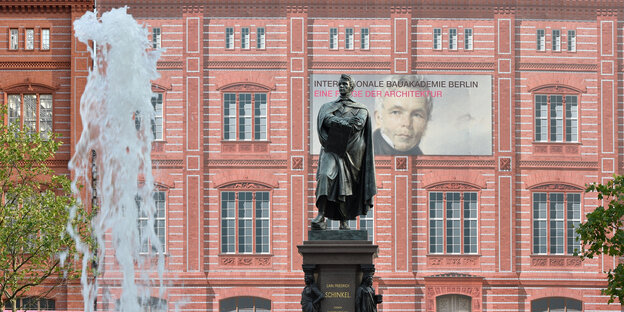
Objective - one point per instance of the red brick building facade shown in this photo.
(43, 70)
(223, 58)
(266, 50)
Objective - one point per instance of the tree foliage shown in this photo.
(34, 213)
(603, 232)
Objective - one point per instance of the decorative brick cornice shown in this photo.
(248, 163)
(526, 164)
(246, 65)
(556, 67)
(351, 65)
(455, 65)
(6, 65)
(167, 163)
(45, 6)
(170, 65)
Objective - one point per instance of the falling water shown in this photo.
(115, 102)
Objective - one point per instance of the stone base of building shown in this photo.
(338, 260)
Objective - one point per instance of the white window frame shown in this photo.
(349, 39)
(572, 40)
(246, 112)
(158, 123)
(38, 120)
(437, 38)
(333, 38)
(550, 211)
(556, 121)
(541, 40)
(468, 39)
(29, 39)
(452, 39)
(156, 38)
(245, 38)
(248, 212)
(260, 38)
(448, 211)
(13, 39)
(160, 221)
(556, 40)
(45, 39)
(365, 38)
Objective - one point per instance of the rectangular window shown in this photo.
(14, 39)
(556, 40)
(245, 116)
(244, 38)
(453, 39)
(555, 218)
(453, 222)
(541, 118)
(157, 123)
(556, 118)
(468, 39)
(333, 38)
(29, 43)
(45, 115)
(349, 38)
(45, 39)
(437, 39)
(261, 39)
(572, 40)
(229, 38)
(32, 112)
(541, 40)
(365, 39)
(156, 38)
(245, 222)
(159, 222)
(15, 106)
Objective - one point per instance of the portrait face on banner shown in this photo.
(417, 114)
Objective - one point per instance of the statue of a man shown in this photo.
(346, 169)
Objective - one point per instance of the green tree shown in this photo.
(34, 213)
(602, 233)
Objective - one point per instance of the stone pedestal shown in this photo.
(338, 259)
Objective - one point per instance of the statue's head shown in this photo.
(309, 279)
(345, 85)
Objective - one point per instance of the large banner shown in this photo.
(417, 114)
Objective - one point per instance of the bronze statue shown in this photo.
(365, 298)
(311, 295)
(346, 170)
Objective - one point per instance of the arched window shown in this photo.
(30, 107)
(245, 304)
(453, 303)
(453, 211)
(556, 304)
(245, 211)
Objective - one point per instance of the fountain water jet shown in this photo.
(115, 101)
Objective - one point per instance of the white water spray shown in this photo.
(116, 98)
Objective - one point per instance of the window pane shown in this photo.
(453, 225)
(470, 222)
(571, 118)
(367, 223)
(556, 40)
(228, 217)
(349, 38)
(45, 115)
(540, 305)
(245, 38)
(571, 40)
(436, 219)
(541, 40)
(333, 38)
(15, 103)
(365, 39)
(30, 39)
(573, 305)
(541, 118)
(260, 116)
(437, 38)
(556, 118)
(539, 223)
(45, 39)
(260, 41)
(467, 39)
(557, 305)
(262, 222)
(556, 223)
(574, 219)
(244, 116)
(14, 41)
(30, 112)
(229, 116)
(453, 39)
(160, 217)
(245, 219)
(156, 38)
(229, 38)
(157, 124)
